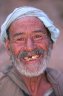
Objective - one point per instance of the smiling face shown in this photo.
(29, 45)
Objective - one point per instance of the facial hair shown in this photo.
(38, 68)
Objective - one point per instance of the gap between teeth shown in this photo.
(32, 58)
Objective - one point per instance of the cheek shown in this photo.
(43, 44)
(16, 49)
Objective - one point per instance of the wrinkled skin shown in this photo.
(29, 45)
(27, 35)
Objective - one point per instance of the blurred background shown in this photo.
(54, 9)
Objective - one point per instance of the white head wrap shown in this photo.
(29, 11)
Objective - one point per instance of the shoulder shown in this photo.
(55, 77)
(6, 84)
(54, 73)
(1, 75)
(8, 87)
(3, 79)
(4, 75)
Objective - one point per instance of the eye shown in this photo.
(20, 39)
(37, 36)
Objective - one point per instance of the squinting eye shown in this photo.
(37, 36)
(20, 39)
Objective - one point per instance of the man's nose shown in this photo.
(29, 44)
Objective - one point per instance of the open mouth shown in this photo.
(31, 55)
(30, 58)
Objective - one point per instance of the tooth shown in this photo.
(26, 58)
(33, 57)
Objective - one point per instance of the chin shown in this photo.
(31, 70)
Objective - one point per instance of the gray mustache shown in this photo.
(33, 52)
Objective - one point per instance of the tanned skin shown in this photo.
(27, 34)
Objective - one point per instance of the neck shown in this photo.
(35, 83)
(37, 86)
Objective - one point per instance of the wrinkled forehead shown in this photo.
(28, 24)
(28, 21)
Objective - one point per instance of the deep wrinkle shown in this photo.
(34, 67)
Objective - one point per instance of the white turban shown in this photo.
(29, 11)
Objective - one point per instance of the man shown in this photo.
(28, 35)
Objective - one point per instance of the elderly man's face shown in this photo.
(29, 45)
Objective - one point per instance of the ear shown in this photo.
(7, 45)
(51, 45)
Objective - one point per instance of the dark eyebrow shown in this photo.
(18, 33)
(22, 33)
(39, 30)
